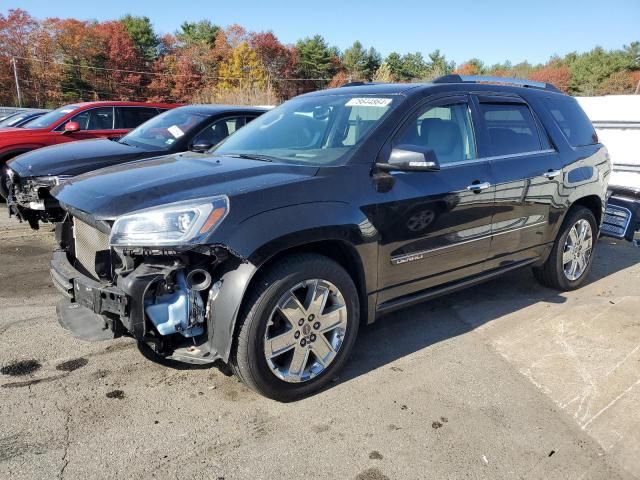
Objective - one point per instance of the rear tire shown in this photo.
(297, 327)
(571, 258)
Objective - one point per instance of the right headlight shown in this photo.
(176, 224)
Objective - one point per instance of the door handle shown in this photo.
(478, 187)
(552, 173)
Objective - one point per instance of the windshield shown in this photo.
(317, 130)
(51, 117)
(164, 130)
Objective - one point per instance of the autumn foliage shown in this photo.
(66, 60)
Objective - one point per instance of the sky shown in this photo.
(491, 30)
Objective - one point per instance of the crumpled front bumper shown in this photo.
(89, 304)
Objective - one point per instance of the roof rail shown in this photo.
(455, 78)
(359, 84)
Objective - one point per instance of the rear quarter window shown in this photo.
(572, 120)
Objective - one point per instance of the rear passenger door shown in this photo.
(527, 172)
(128, 118)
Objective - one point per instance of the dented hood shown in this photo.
(114, 191)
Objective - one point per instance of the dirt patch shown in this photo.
(20, 368)
(371, 474)
(375, 455)
(119, 394)
(71, 365)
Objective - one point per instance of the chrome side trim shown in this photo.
(497, 157)
(410, 257)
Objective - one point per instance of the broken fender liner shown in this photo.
(82, 323)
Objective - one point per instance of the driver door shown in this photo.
(435, 227)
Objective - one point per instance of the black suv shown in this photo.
(332, 209)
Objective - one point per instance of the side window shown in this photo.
(219, 130)
(131, 117)
(572, 120)
(512, 128)
(95, 119)
(445, 129)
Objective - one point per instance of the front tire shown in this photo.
(571, 258)
(297, 327)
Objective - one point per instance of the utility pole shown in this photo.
(15, 75)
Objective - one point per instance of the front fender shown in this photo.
(260, 238)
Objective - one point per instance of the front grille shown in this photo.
(88, 240)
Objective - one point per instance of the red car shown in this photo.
(78, 121)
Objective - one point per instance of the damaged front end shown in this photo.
(164, 296)
(30, 200)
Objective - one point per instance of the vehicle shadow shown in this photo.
(415, 328)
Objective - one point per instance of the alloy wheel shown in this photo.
(577, 250)
(305, 331)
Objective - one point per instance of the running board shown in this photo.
(408, 300)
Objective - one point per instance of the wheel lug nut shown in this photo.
(303, 342)
(296, 335)
(312, 317)
(316, 325)
(312, 337)
(301, 321)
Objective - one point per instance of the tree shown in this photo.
(122, 59)
(619, 83)
(241, 69)
(438, 65)
(314, 58)
(470, 67)
(202, 32)
(144, 37)
(384, 74)
(359, 63)
(413, 67)
(589, 70)
(278, 60)
(557, 75)
(16, 31)
(394, 62)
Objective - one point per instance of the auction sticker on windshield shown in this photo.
(175, 131)
(369, 102)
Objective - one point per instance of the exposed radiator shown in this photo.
(88, 241)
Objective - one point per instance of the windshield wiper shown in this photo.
(251, 156)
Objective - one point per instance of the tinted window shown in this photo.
(511, 127)
(572, 120)
(131, 117)
(444, 129)
(219, 130)
(95, 119)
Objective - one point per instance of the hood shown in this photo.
(74, 158)
(113, 191)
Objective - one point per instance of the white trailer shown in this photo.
(616, 119)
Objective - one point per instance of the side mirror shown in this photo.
(411, 158)
(201, 147)
(71, 127)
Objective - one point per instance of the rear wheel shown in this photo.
(569, 263)
(298, 329)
